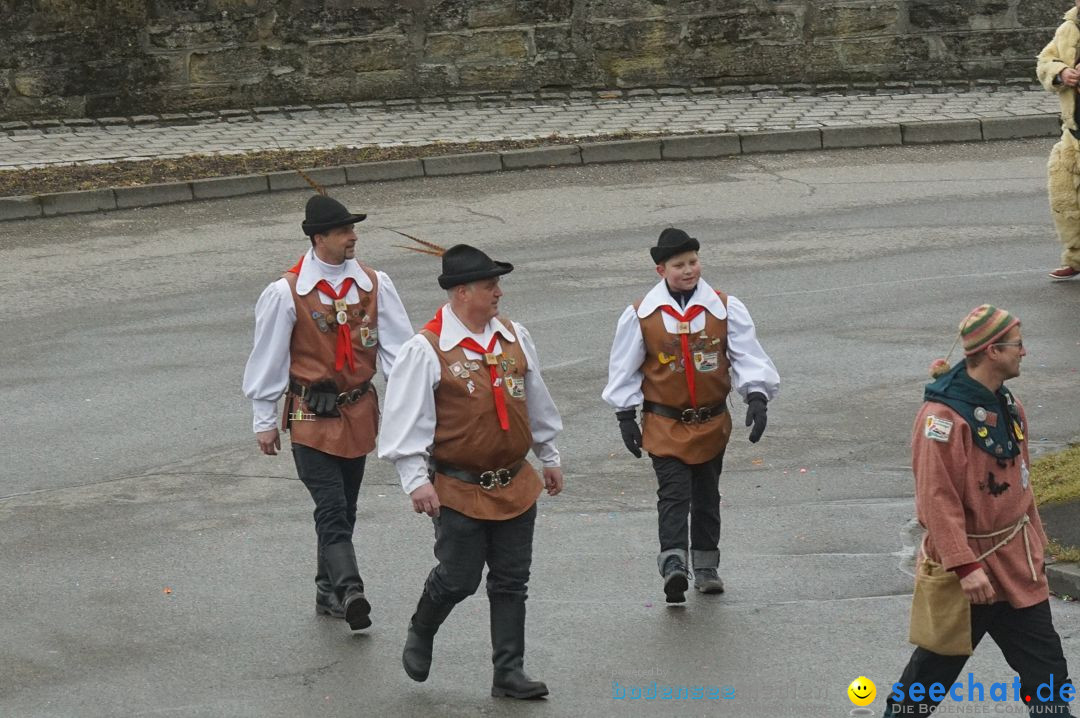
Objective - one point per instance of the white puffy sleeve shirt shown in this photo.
(751, 369)
(267, 372)
(408, 420)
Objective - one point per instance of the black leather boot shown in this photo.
(340, 560)
(672, 564)
(508, 653)
(416, 658)
(326, 601)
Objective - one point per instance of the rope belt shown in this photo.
(487, 480)
(1020, 527)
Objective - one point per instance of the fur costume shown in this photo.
(1063, 168)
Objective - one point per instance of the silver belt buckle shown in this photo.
(498, 478)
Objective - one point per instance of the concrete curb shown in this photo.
(152, 194)
(679, 147)
(873, 136)
(328, 177)
(621, 151)
(541, 157)
(473, 163)
(781, 141)
(922, 133)
(1064, 579)
(229, 186)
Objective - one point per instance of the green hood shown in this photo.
(994, 419)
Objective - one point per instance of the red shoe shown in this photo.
(1064, 273)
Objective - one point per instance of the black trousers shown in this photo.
(688, 489)
(1027, 639)
(334, 484)
(463, 545)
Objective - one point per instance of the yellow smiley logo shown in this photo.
(862, 691)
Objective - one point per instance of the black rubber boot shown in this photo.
(326, 601)
(340, 560)
(508, 653)
(424, 624)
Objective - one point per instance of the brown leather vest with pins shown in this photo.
(312, 352)
(664, 382)
(468, 435)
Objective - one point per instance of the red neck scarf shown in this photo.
(683, 330)
(344, 351)
(435, 327)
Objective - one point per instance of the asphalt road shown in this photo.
(154, 563)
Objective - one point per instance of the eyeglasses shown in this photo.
(1019, 344)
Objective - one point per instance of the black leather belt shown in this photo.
(350, 396)
(486, 480)
(687, 416)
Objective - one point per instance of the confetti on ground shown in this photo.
(758, 462)
(648, 604)
(167, 591)
(802, 471)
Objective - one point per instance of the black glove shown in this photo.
(755, 414)
(322, 398)
(631, 433)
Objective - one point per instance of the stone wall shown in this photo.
(71, 58)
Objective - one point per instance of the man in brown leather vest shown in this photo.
(676, 352)
(318, 333)
(464, 405)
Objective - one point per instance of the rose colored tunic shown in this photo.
(961, 489)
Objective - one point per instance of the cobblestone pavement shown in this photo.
(514, 117)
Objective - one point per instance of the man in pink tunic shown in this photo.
(973, 497)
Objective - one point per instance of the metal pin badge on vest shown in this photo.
(342, 311)
(320, 321)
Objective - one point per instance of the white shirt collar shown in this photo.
(705, 296)
(453, 331)
(314, 269)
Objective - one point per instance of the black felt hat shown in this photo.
(324, 213)
(462, 264)
(673, 241)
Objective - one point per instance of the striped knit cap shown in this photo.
(984, 326)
